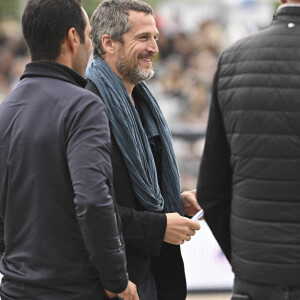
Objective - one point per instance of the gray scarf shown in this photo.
(133, 142)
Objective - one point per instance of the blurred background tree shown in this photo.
(10, 9)
(13, 8)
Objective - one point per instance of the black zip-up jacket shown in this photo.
(249, 183)
(62, 235)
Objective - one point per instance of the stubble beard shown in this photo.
(132, 73)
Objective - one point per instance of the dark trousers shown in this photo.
(243, 288)
(147, 289)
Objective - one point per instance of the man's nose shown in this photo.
(152, 46)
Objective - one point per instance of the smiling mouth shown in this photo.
(148, 60)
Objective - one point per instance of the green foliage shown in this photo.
(276, 3)
(9, 9)
(13, 8)
(90, 5)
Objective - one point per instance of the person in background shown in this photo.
(146, 178)
(249, 180)
(60, 233)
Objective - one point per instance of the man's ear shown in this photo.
(69, 48)
(108, 44)
(73, 40)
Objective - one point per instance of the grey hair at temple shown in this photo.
(111, 17)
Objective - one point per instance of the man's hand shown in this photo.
(130, 293)
(179, 229)
(189, 203)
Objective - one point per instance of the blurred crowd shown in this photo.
(182, 84)
(13, 56)
(185, 67)
(184, 74)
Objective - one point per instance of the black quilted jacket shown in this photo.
(249, 182)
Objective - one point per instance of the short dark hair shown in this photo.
(46, 23)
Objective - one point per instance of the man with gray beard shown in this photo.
(146, 179)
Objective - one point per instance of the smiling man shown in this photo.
(146, 178)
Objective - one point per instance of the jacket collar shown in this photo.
(288, 10)
(53, 70)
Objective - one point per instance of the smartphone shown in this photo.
(240, 297)
(198, 215)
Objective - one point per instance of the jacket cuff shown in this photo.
(116, 286)
(154, 238)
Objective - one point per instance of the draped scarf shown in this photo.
(132, 139)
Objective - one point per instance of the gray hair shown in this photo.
(111, 17)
